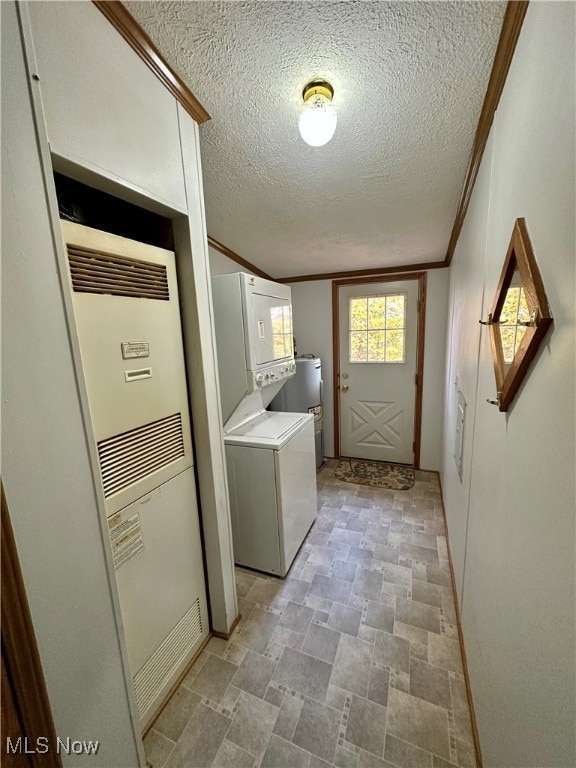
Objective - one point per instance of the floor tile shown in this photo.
(345, 758)
(254, 674)
(431, 594)
(322, 643)
(297, 617)
(200, 740)
(406, 755)
(366, 725)
(288, 716)
(418, 722)
(283, 636)
(418, 615)
(282, 754)
(157, 748)
(420, 554)
(380, 616)
(439, 575)
(331, 589)
(344, 570)
(430, 683)
(317, 730)
(461, 712)
(214, 678)
(360, 556)
(232, 756)
(368, 584)
(368, 760)
(321, 556)
(257, 631)
(345, 619)
(253, 724)
(352, 665)
(386, 554)
(177, 713)
(378, 686)
(350, 610)
(444, 652)
(300, 672)
(392, 651)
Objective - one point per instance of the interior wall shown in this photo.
(512, 520)
(46, 465)
(312, 309)
(222, 265)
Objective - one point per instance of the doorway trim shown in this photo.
(388, 278)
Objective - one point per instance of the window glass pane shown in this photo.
(376, 346)
(520, 331)
(395, 346)
(523, 310)
(507, 334)
(376, 312)
(358, 310)
(395, 312)
(358, 347)
(509, 311)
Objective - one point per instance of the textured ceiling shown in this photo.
(409, 81)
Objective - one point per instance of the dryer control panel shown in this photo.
(274, 373)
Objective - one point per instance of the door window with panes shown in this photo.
(376, 328)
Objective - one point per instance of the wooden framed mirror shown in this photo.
(520, 316)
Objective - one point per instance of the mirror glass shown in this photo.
(514, 318)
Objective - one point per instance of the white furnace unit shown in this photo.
(270, 456)
(128, 321)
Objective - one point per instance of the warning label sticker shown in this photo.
(126, 539)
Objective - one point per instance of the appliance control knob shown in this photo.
(259, 379)
(267, 376)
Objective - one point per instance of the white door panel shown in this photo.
(377, 399)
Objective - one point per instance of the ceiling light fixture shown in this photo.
(317, 121)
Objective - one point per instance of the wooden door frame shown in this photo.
(421, 329)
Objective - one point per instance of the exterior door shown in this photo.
(378, 334)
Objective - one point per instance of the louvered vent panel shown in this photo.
(94, 272)
(155, 673)
(133, 455)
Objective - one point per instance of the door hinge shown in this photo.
(416, 379)
(414, 447)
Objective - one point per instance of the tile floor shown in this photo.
(353, 661)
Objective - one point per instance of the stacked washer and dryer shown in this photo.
(270, 456)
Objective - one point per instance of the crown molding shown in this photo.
(139, 41)
(511, 26)
(238, 259)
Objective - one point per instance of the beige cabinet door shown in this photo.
(378, 345)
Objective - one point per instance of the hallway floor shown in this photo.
(352, 661)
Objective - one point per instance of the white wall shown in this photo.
(512, 520)
(222, 265)
(45, 457)
(312, 308)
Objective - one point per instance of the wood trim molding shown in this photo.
(228, 635)
(135, 36)
(511, 26)
(357, 273)
(420, 346)
(238, 259)
(474, 724)
(20, 653)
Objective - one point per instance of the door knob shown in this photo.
(344, 387)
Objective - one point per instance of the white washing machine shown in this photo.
(272, 479)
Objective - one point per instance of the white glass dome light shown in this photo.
(317, 121)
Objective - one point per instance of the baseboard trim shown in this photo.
(176, 685)
(475, 734)
(228, 635)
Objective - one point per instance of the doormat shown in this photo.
(396, 477)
